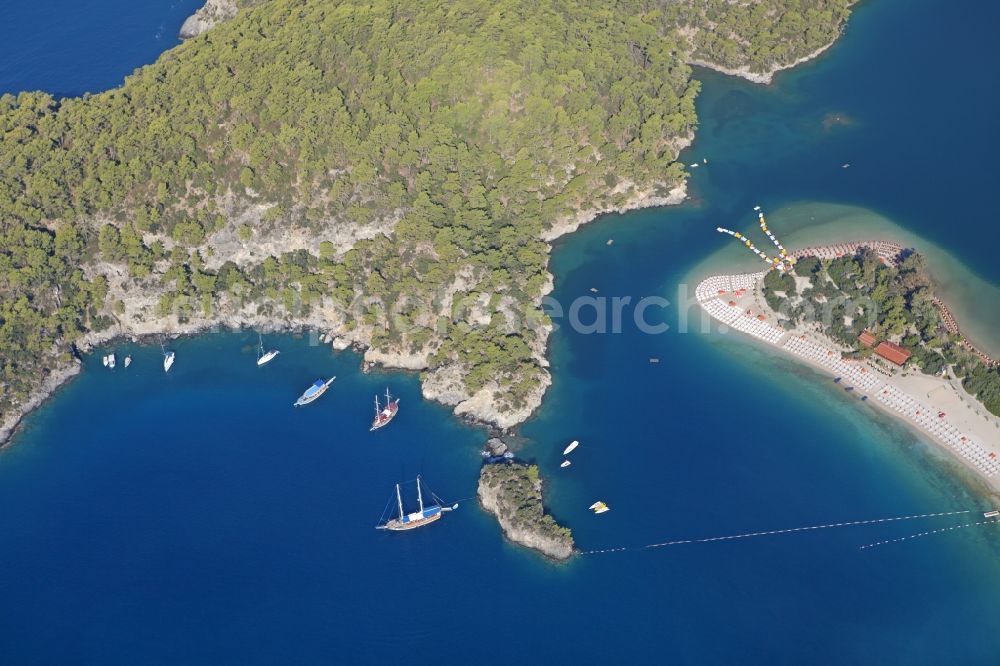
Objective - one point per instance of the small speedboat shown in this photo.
(565, 463)
(111, 360)
(168, 361)
(599, 507)
(572, 445)
(313, 393)
(104, 360)
(128, 361)
(595, 505)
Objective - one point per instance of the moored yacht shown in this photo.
(384, 414)
(313, 393)
(424, 515)
(262, 356)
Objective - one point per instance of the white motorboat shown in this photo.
(313, 393)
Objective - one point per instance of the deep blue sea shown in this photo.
(197, 517)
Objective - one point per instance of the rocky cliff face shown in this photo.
(214, 11)
(513, 493)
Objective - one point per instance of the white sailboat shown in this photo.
(262, 356)
(111, 360)
(104, 360)
(571, 447)
(168, 361)
(128, 360)
(565, 463)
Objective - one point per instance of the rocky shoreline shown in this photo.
(443, 384)
(512, 492)
(55, 379)
(212, 13)
(765, 78)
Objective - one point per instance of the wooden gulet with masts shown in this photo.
(425, 515)
(386, 414)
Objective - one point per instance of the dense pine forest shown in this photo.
(388, 170)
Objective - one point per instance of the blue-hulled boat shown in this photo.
(312, 393)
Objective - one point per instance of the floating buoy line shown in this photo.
(806, 528)
(783, 262)
(928, 533)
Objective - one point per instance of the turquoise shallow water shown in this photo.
(196, 517)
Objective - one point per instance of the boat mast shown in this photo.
(420, 497)
(260, 338)
(399, 500)
(388, 398)
(377, 410)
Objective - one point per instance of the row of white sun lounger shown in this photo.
(855, 373)
(733, 317)
(746, 281)
(885, 249)
(938, 426)
(710, 287)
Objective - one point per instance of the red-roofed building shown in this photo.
(892, 352)
(867, 339)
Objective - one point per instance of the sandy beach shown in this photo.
(937, 407)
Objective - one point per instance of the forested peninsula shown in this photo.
(388, 173)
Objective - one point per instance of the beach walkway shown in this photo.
(725, 298)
